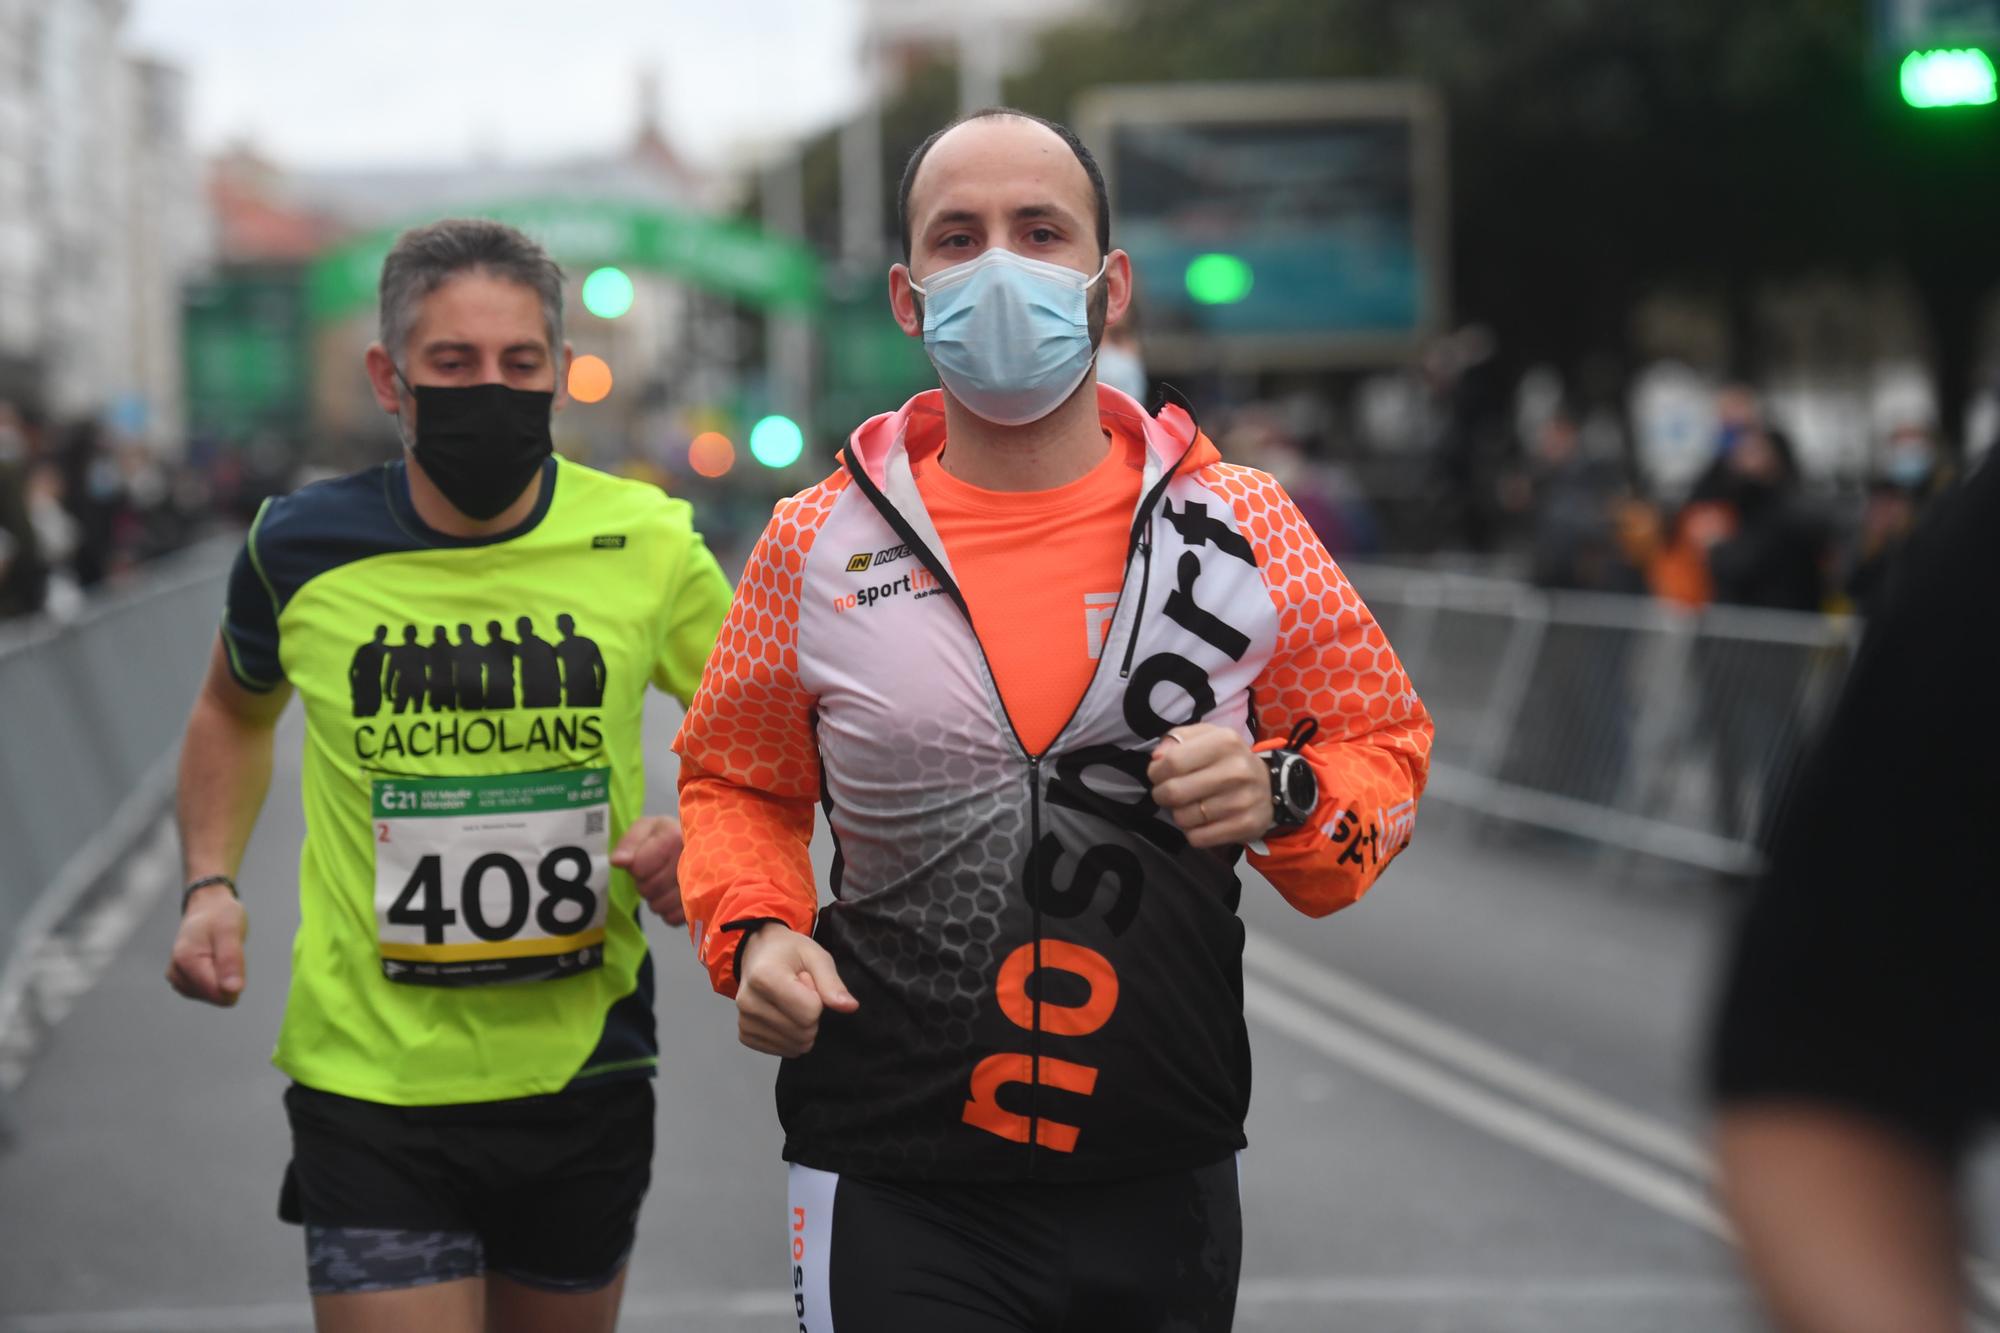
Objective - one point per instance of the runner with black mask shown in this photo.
(469, 1029)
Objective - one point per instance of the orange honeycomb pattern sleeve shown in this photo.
(749, 767)
(1332, 663)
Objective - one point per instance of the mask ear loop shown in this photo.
(1094, 280)
(402, 434)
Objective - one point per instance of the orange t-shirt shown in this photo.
(1040, 571)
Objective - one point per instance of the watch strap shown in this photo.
(204, 882)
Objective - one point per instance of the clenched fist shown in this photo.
(787, 982)
(651, 851)
(1215, 787)
(207, 961)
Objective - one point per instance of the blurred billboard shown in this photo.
(1913, 23)
(244, 334)
(1277, 226)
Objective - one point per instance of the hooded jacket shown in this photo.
(1049, 976)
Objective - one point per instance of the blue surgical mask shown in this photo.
(1009, 335)
(1910, 466)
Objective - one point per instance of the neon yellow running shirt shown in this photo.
(473, 710)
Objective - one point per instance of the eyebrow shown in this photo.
(445, 348)
(1025, 212)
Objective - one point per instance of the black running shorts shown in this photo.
(543, 1190)
(1131, 1256)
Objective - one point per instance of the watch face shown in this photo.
(1301, 787)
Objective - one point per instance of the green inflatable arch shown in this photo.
(720, 254)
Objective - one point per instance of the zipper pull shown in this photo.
(1145, 581)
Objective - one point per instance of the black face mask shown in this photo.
(483, 443)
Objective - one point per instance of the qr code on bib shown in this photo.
(593, 822)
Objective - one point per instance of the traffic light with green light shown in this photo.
(1961, 77)
(1218, 279)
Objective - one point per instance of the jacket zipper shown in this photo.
(1035, 1001)
(1139, 611)
(1143, 533)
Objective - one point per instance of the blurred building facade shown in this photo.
(988, 38)
(101, 220)
(675, 344)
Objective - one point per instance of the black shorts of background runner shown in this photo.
(1128, 1256)
(543, 1190)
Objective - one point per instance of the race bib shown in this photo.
(490, 879)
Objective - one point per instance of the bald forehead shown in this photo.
(995, 151)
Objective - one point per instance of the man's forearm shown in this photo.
(225, 770)
(1847, 1227)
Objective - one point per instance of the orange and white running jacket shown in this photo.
(1050, 978)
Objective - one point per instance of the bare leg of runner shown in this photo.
(514, 1308)
(441, 1307)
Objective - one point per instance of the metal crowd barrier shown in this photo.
(1619, 720)
(1614, 719)
(91, 714)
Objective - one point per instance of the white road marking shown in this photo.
(69, 958)
(1325, 1026)
(1466, 1101)
(1470, 1055)
(1483, 1292)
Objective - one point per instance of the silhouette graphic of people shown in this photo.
(440, 659)
(406, 671)
(499, 668)
(364, 674)
(541, 676)
(468, 670)
(582, 666)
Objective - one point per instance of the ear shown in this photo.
(1117, 287)
(903, 301)
(382, 379)
(563, 359)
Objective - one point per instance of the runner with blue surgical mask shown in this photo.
(1050, 667)
(1010, 336)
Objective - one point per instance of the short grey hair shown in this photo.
(423, 258)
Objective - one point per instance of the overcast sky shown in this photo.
(399, 82)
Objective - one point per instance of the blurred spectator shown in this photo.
(77, 511)
(23, 570)
(1575, 511)
(1575, 734)
(94, 495)
(1474, 436)
(1775, 551)
(57, 537)
(1911, 477)
(1745, 536)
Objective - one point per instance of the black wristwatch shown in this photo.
(1294, 789)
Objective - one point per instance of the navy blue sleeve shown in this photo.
(250, 620)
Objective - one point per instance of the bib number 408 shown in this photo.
(564, 875)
